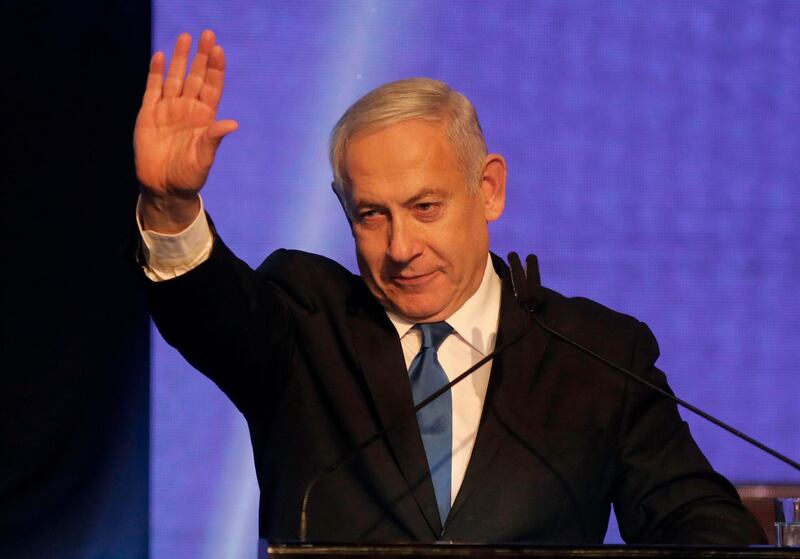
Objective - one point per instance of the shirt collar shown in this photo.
(476, 321)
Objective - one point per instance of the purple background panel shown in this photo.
(653, 157)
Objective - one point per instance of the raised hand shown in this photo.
(177, 134)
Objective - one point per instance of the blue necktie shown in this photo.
(436, 419)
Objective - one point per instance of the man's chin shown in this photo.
(418, 311)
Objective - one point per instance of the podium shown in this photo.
(512, 551)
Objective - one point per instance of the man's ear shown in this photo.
(493, 186)
(342, 202)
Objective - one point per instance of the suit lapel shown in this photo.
(512, 374)
(378, 350)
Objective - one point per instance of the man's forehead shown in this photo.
(400, 142)
(389, 152)
(417, 123)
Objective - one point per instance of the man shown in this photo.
(535, 446)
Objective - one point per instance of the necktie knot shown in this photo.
(434, 333)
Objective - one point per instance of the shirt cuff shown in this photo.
(169, 256)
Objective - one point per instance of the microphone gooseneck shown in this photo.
(528, 287)
(303, 528)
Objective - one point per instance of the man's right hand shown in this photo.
(177, 134)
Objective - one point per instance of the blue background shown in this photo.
(653, 157)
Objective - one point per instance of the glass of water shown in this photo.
(787, 522)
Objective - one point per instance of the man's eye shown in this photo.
(427, 208)
(368, 215)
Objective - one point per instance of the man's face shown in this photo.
(421, 239)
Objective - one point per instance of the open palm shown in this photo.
(177, 134)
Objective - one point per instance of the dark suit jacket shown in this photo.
(310, 358)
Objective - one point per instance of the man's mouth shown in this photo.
(413, 280)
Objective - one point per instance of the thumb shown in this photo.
(221, 128)
(209, 142)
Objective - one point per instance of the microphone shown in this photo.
(528, 289)
(303, 528)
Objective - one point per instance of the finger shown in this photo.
(208, 144)
(221, 128)
(177, 66)
(155, 80)
(197, 73)
(211, 92)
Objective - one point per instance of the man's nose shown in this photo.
(404, 242)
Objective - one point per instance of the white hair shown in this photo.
(422, 98)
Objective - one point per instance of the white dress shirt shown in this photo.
(170, 256)
(474, 334)
(474, 329)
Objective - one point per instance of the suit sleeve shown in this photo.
(229, 323)
(666, 491)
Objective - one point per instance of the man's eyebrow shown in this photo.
(365, 203)
(424, 193)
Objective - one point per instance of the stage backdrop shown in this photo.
(653, 166)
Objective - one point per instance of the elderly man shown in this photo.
(535, 446)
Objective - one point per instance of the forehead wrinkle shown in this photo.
(413, 151)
